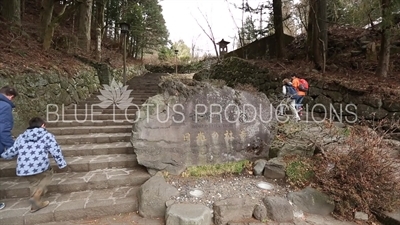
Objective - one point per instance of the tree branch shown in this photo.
(211, 35)
(237, 27)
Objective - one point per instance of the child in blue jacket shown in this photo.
(32, 148)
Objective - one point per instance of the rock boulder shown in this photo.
(197, 123)
(188, 214)
(153, 196)
(310, 200)
(233, 209)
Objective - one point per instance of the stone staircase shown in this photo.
(103, 175)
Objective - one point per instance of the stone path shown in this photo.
(103, 175)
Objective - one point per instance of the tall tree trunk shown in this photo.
(77, 15)
(117, 37)
(100, 6)
(98, 44)
(116, 34)
(278, 26)
(48, 36)
(316, 42)
(323, 32)
(46, 14)
(11, 11)
(64, 13)
(216, 49)
(101, 15)
(107, 30)
(131, 46)
(85, 17)
(384, 54)
(93, 20)
(73, 22)
(241, 33)
(22, 9)
(310, 22)
(136, 48)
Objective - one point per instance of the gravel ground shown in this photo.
(214, 188)
(218, 188)
(241, 186)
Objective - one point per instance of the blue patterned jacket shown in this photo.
(32, 148)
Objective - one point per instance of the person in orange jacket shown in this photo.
(301, 94)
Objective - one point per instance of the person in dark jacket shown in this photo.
(290, 93)
(7, 95)
(33, 148)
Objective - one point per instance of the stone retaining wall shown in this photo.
(334, 100)
(323, 92)
(39, 89)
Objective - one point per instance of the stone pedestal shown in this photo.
(188, 214)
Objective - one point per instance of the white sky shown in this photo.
(179, 16)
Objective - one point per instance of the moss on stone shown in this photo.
(235, 71)
(39, 89)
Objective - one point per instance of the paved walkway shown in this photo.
(103, 177)
(131, 218)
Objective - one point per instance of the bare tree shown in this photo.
(301, 15)
(193, 47)
(241, 39)
(209, 35)
(234, 37)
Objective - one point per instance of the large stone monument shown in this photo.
(197, 123)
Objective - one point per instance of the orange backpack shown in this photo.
(303, 85)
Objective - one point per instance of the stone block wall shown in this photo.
(38, 89)
(346, 104)
(323, 93)
(131, 71)
(364, 103)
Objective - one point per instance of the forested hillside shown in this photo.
(48, 34)
(334, 36)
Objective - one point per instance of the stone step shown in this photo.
(84, 105)
(96, 101)
(90, 129)
(92, 117)
(18, 187)
(134, 93)
(92, 138)
(79, 163)
(88, 123)
(134, 96)
(140, 87)
(88, 204)
(97, 149)
(392, 218)
(100, 110)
